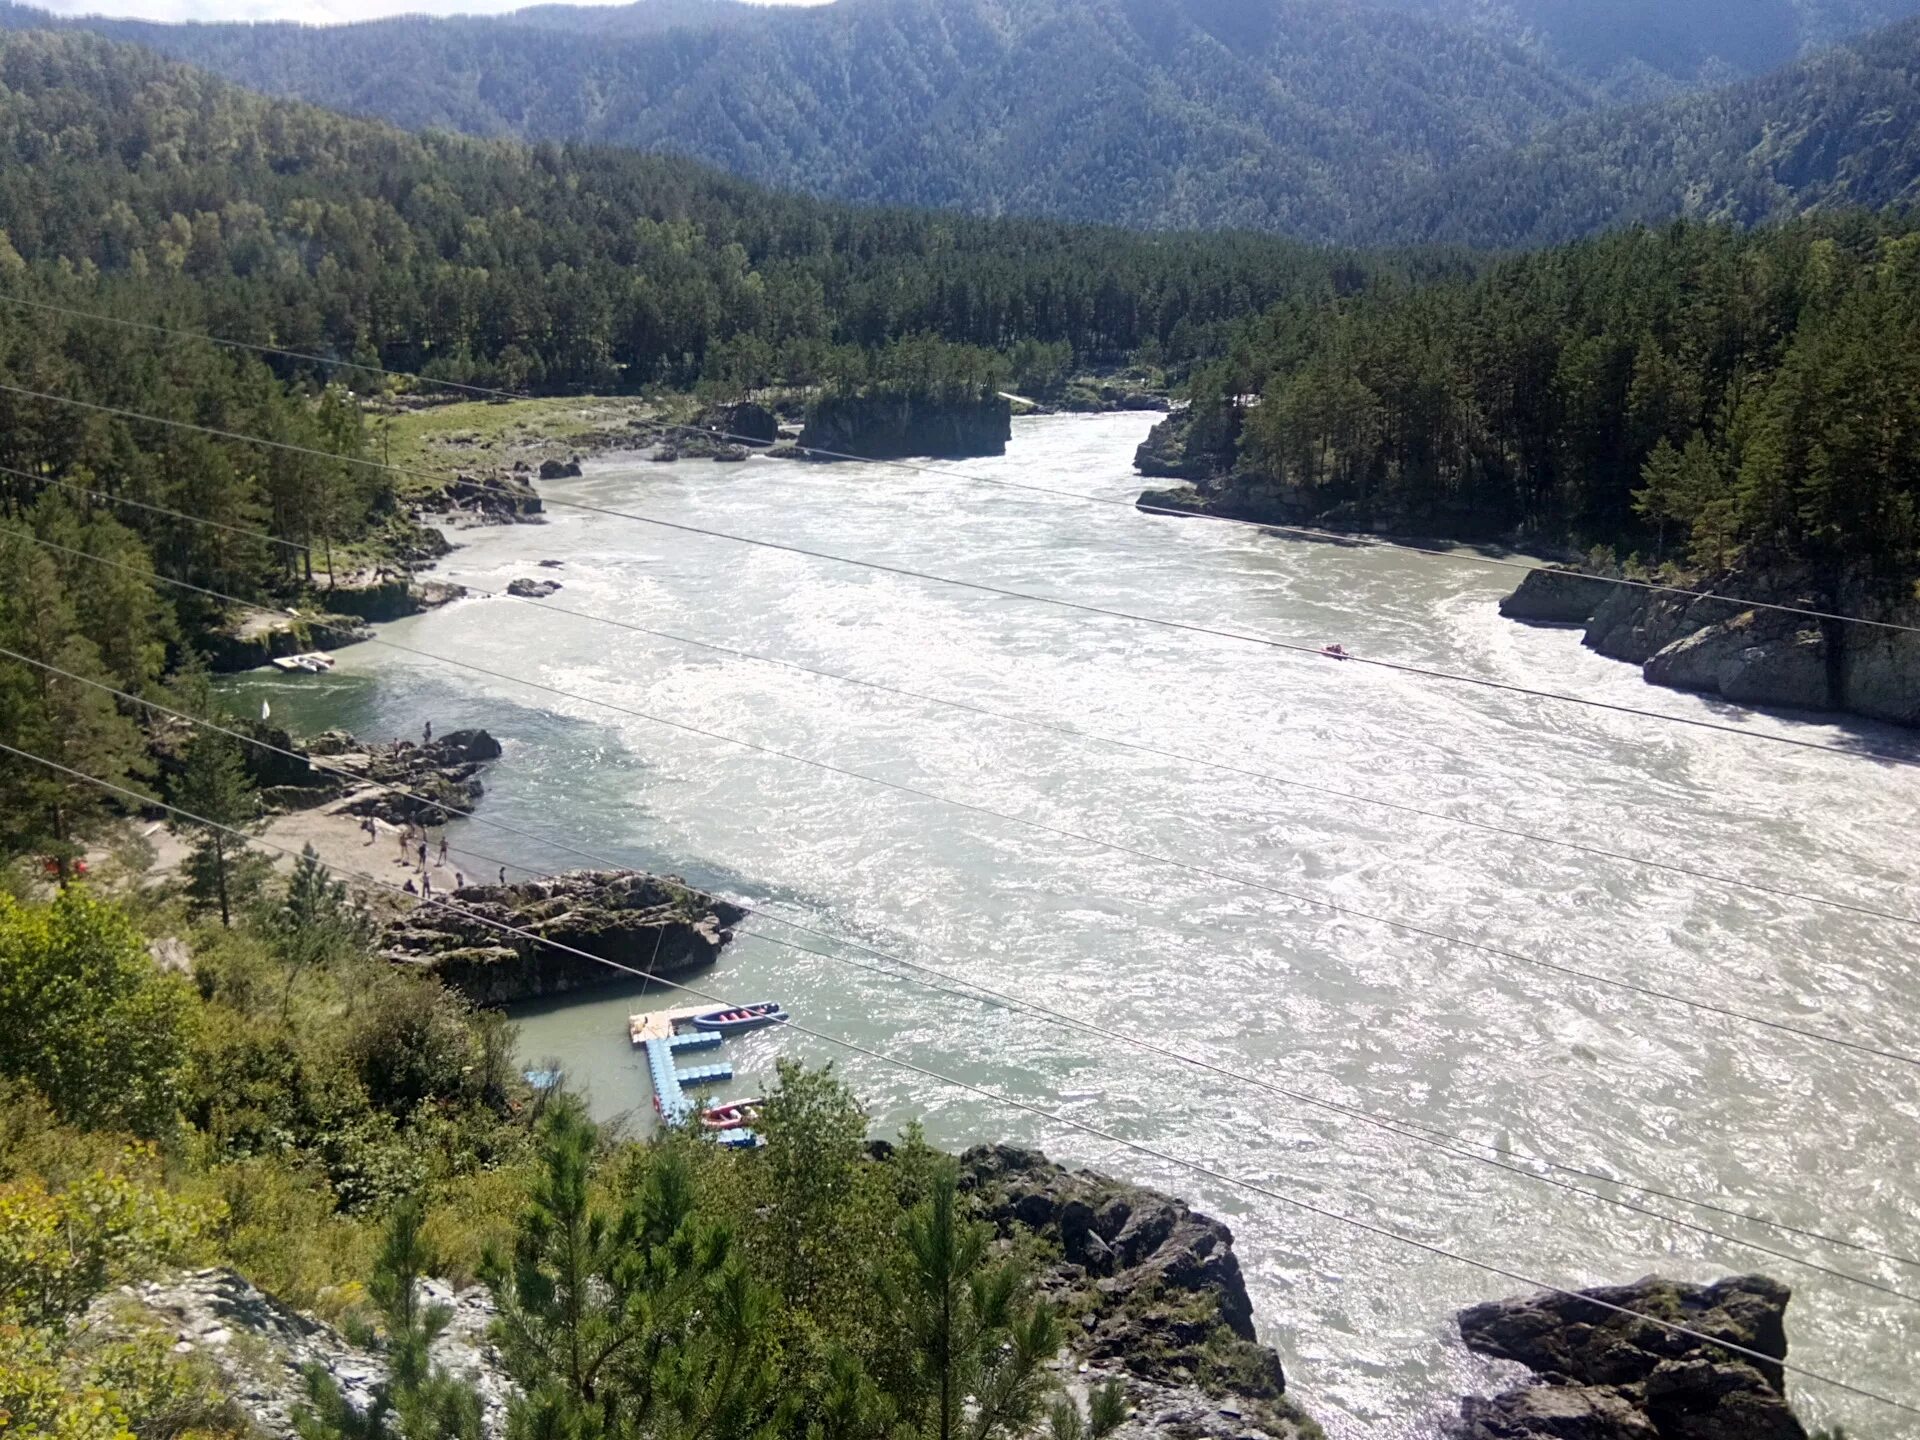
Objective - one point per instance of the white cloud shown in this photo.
(310, 12)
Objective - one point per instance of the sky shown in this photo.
(312, 12)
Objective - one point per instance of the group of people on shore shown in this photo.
(412, 838)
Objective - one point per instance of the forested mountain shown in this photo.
(1840, 128)
(550, 266)
(1296, 115)
(1639, 49)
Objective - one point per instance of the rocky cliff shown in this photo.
(646, 922)
(1613, 1376)
(894, 427)
(1152, 1293)
(1739, 649)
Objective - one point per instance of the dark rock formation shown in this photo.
(560, 469)
(347, 770)
(894, 427)
(642, 921)
(1553, 596)
(389, 597)
(1190, 446)
(1742, 651)
(502, 497)
(1614, 1376)
(1154, 1286)
(532, 589)
(744, 423)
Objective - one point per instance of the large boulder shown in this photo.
(744, 423)
(1601, 1359)
(560, 469)
(501, 497)
(1750, 660)
(1168, 1298)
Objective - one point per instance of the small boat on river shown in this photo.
(730, 1114)
(735, 1019)
(314, 662)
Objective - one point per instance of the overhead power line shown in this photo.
(1303, 648)
(1006, 1101)
(978, 993)
(1060, 832)
(947, 472)
(1730, 882)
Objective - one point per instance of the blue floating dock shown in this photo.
(669, 1082)
(738, 1139)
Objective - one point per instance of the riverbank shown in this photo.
(1790, 641)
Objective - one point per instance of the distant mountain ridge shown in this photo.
(1645, 49)
(1493, 123)
(1298, 115)
(1839, 129)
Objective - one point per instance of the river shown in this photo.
(1333, 1006)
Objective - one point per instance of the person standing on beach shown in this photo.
(426, 733)
(443, 848)
(423, 855)
(503, 874)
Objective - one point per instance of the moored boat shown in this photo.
(732, 1019)
(731, 1114)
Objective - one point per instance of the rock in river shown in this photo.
(532, 589)
(1615, 1376)
(645, 922)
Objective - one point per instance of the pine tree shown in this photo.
(418, 1400)
(219, 800)
(984, 1346)
(640, 1323)
(317, 925)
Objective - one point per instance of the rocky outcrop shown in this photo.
(389, 597)
(644, 922)
(532, 589)
(1614, 1376)
(1189, 446)
(1555, 596)
(261, 639)
(743, 423)
(501, 498)
(1152, 1291)
(356, 774)
(1743, 651)
(560, 469)
(894, 427)
(261, 1348)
